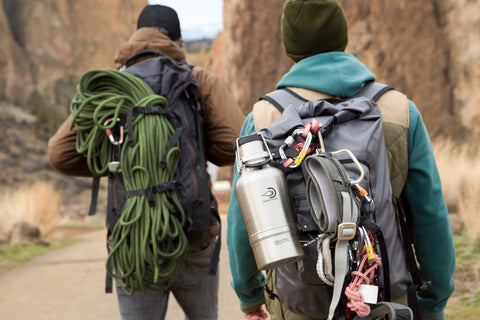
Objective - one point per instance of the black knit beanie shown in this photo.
(162, 17)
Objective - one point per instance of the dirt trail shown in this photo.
(68, 284)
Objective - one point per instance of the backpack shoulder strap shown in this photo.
(373, 90)
(283, 98)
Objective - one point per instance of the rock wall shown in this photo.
(403, 43)
(248, 54)
(427, 49)
(461, 21)
(45, 46)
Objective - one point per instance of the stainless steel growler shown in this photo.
(266, 205)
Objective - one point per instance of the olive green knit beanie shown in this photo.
(310, 27)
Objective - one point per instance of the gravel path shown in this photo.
(68, 284)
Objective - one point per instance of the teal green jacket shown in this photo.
(341, 74)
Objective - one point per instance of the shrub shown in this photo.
(460, 174)
(39, 204)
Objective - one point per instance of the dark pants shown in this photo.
(195, 290)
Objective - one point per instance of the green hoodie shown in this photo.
(341, 74)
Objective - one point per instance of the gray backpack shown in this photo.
(338, 178)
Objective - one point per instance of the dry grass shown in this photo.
(460, 174)
(198, 58)
(39, 204)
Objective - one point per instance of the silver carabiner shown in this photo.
(355, 161)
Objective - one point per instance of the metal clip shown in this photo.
(355, 161)
(109, 133)
(297, 161)
(346, 231)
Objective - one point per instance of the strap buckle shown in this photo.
(424, 286)
(346, 231)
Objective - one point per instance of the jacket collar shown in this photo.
(147, 39)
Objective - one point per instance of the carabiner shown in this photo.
(355, 161)
(296, 161)
(110, 133)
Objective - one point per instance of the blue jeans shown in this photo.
(195, 290)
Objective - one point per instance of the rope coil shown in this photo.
(356, 300)
(148, 241)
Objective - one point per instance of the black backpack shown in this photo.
(172, 79)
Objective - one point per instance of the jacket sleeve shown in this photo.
(222, 117)
(247, 280)
(62, 153)
(432, 233)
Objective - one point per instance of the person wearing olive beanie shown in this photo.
(312, 27)
(315, 37)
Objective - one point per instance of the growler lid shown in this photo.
(252, 150)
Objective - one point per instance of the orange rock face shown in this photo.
(429, 50)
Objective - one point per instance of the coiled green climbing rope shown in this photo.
(147, 242)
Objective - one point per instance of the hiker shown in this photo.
(314, 34)
(194, 286)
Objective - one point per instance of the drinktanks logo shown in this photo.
(270, 194)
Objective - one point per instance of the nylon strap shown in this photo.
(149, 192)
(283, 98)
(319, 185)
(394, 311)
(136, 111)
(173, 141)
(216, 252)
(403, 216)
(350, 215)
(373, 90)
(94, 196)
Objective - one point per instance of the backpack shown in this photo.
(184, 197)
(335, 162)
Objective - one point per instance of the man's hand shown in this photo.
(257, 314)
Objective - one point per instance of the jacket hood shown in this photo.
(338, 74)
(147, 39)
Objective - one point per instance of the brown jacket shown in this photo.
(222, 116)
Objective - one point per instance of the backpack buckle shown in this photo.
(346, 231)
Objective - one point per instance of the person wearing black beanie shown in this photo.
(195, 284)
(207, 119)
(161, 17)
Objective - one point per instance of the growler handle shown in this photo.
(264, 155)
